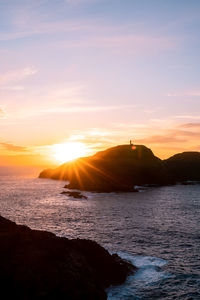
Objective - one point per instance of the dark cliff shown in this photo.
(39, 265)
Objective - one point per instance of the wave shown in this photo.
(149, 272)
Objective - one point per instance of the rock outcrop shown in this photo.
(39, 265)
(115, 169)
(76, 195)
(183, 166)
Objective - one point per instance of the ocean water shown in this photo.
(157, 229)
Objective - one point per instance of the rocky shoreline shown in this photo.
(39, 265)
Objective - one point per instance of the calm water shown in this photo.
(158, 230)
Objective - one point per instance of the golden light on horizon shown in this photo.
(69, 151)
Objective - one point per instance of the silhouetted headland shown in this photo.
(39, 265)
(122, 167)
(115, 169)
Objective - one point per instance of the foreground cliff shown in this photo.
(38, 265)
(115, 169)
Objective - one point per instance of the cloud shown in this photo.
(85, 109)
(16, 75)
(100, 37)
(127, 125)
(16, 88)
(71, 109)
(192, 117)
(133, 44)
(161, 139)
(174, 135)
(190, 125)
(42, 28)
(195, 93)
(80, 2)
(11, 147)
(31, 27)
(2, 113)
(88, 33)
(185, 133)
(15, 35)
(67, 94)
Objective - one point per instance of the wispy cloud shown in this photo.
(99, 37)
(16, 75)
(32, 28)
(68, 109)
(80, 2)
(68, 93)
(161, 139)
(16, 35)
(13, 148)
(133, 44)
(27, 23)
(85, 109)
(190, 125)
(14, 88)
(130, 126)
(185, 134)
(2, 113)
(195, 93)
(152, 134)
(88, 32)
(192, 117)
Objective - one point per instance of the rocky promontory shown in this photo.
(115, 169)
(39, 265)
(120, 168)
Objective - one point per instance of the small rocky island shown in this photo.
(76, 195)
(39, 265)
(120, 168)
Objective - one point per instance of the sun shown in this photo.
(69, 151)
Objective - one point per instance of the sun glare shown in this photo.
(69, 151)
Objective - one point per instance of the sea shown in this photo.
(157, 229)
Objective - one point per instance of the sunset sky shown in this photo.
(98, 72)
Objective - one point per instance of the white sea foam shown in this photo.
(149, 272)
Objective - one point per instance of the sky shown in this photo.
(100, 72)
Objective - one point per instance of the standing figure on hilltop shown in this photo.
(131, 144)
